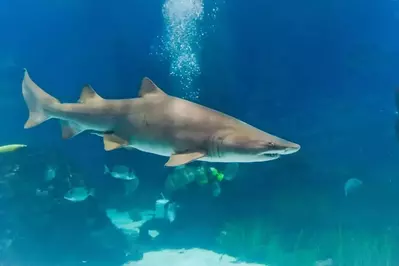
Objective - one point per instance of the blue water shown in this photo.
(320, 73)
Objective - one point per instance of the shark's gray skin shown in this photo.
(157, 123)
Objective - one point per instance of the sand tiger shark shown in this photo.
(157, 123)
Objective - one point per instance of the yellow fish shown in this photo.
(11, 147)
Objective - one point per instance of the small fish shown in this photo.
(171, 212)
(153, 233)
(50, 173)
(11, 171)
(230, 172)
(216, 189)
(15, 168)
(201, 176)
(327, 262)
(180, 177)
(125, 222)
(131, 186)
(10, 175)
(351, 185)
(78, 194)
(41, 193)
(120, 172)
(11, 147)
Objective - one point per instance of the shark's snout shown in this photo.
(282, 147)
(291, 149)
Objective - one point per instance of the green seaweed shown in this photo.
(262, 242)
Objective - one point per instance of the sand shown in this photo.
(192, 257)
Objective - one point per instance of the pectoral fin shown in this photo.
(113, 142)
(184, 158)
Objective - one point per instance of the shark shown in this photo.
(158, 123)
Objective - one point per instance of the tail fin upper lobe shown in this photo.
(36, 99)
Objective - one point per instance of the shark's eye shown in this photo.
(271, 144)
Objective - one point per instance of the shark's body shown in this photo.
(157, 123)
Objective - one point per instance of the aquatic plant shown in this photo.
(262, 242)
(259, 241)
(358, 247)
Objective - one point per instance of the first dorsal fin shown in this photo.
(88, 94)
(148, 87)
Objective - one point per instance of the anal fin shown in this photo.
(70, 129)
(184, 158)
(113, 142)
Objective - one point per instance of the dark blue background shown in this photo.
(319, 73)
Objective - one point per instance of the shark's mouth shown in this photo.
(271, 155)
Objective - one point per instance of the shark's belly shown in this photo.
(161, 135)
(164, 148)
(152, 146)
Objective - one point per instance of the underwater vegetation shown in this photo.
(290, 222)
(263, 242)
(286, 226)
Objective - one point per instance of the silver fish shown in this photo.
(351, 185)
(77, 194)
(120, 172)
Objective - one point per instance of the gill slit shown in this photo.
(215, 143)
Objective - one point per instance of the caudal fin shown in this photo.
(36, 99)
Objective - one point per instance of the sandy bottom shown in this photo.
(192, 257)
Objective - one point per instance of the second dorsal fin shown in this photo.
(88, 94)
(148, 87)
